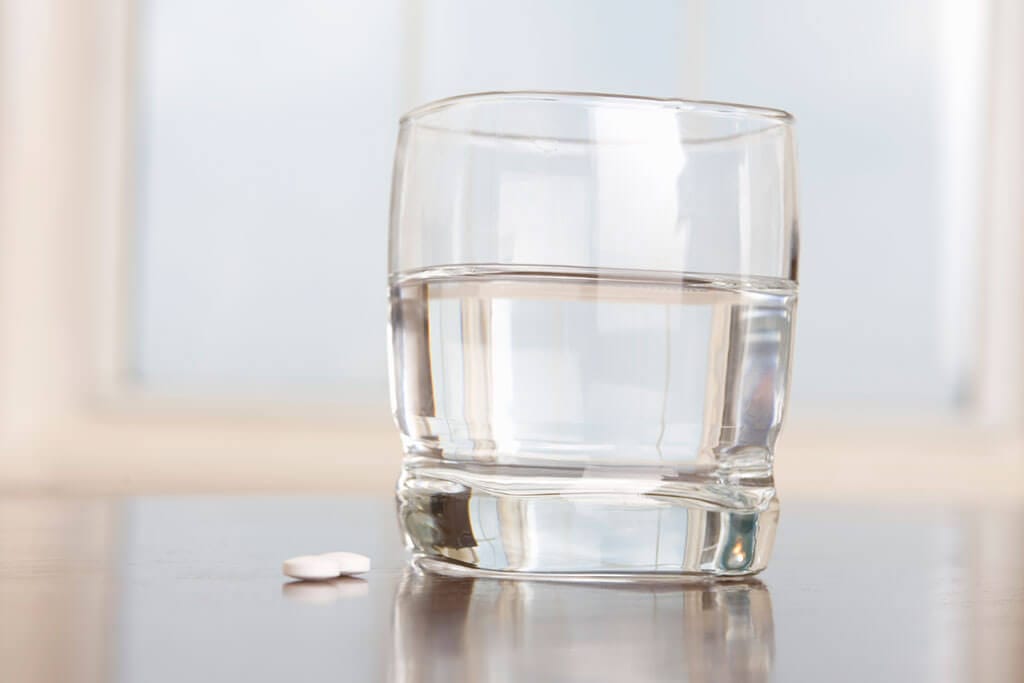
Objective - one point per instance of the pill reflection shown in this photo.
(325, 592)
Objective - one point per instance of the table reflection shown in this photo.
(463, 629)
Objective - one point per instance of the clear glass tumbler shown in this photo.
(592, 302)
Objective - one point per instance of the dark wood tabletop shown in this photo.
(156, 589)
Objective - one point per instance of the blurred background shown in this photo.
(193, 216)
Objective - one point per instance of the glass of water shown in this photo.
(592, 302)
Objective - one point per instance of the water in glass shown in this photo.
(589, 421)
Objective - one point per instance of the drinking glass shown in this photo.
(591, 317)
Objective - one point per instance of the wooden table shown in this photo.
(174, 589)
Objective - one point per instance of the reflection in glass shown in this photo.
(465, 629)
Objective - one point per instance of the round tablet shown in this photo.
(349, 563)
(311, 568)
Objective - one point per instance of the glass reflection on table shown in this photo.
(464, 629)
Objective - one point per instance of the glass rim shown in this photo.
(749, 112)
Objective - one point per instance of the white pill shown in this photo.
(311, 568)
(349, 563)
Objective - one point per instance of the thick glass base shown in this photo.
(584, 525)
